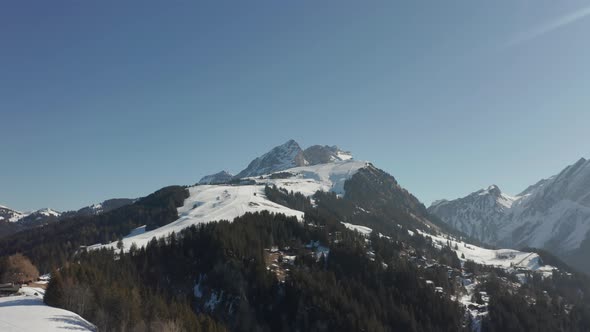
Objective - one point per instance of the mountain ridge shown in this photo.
(552, 214)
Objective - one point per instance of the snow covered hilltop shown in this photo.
(28, 313)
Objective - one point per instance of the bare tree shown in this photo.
(17, 269)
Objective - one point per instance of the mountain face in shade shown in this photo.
(322, 154)
(280, 158)
(478, 215)
(217, 178)
(12, 221)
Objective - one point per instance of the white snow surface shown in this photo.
(501, 258)
(28, 313)
(325, 177)
(208, 203)
(361, 229)
(48, 212)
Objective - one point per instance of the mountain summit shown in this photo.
(282, 157)
(289, 155)
(478, 214)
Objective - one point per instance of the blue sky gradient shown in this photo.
(102, 99)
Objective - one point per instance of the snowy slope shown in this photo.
(208, 203)
(358, 228)
(309, 179)
(29, 314)
(502, 258)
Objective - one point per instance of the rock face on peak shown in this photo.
(322, 154)
(217, 178)
(280, 158)
(553, 214)
(291, 155)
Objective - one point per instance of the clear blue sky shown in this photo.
(102, 99)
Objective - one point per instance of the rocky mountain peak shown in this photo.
(322, 154)
(285, 156)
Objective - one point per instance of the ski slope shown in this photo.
(208, 203)
(25, 313)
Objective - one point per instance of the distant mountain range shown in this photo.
(553, 214)
(12, 221)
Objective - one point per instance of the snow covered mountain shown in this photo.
(330, 193)
(553, 214)
(479, 215)
(287, 156)
(12, 221)
(9, 215)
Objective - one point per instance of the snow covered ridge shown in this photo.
(7, 214)
(208, 203)
(10, 215)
